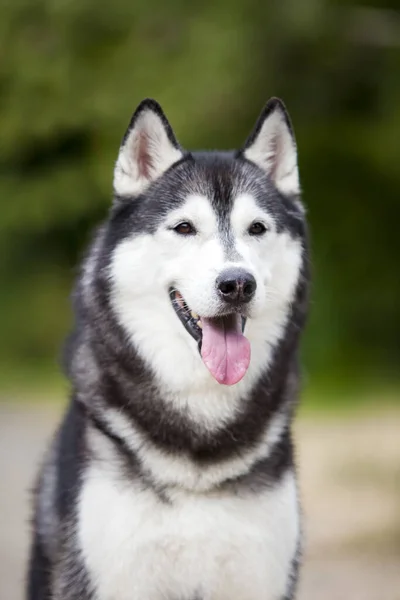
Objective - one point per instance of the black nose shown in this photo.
(236, 286)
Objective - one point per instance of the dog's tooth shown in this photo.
(180, 300)
(199, 324)
(194, 315)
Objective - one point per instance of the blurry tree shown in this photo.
(71, 73)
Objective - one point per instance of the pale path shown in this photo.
(350, 480)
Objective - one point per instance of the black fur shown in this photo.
(39, 572)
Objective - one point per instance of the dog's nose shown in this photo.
(236, 286)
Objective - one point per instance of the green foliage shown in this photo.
(71, 74)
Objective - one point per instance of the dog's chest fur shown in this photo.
(220, 545)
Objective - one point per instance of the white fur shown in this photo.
(216, 545)
(149, 131)
(274, 150)
(144, 267)
(275, 258)
(179, 470)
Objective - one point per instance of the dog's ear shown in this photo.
(148, 149)
(272, 147)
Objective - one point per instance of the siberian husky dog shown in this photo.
(172, 476)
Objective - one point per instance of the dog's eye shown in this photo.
(257, 228)
(185, 228)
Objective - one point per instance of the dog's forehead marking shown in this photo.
(227, 218)
(204, 215)
(213, 221)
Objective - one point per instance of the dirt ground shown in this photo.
(350, 484)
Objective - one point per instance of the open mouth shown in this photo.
(189, 319)
(224, 349)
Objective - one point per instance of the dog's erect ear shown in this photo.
(272, 147)
(148, 149)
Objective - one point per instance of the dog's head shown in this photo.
(207, 248)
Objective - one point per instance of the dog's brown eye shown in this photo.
(257, 229)
(185, 228)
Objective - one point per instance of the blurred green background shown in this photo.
(72, 72)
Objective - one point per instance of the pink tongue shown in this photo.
(224, 349)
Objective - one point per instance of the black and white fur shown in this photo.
(162, 484)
